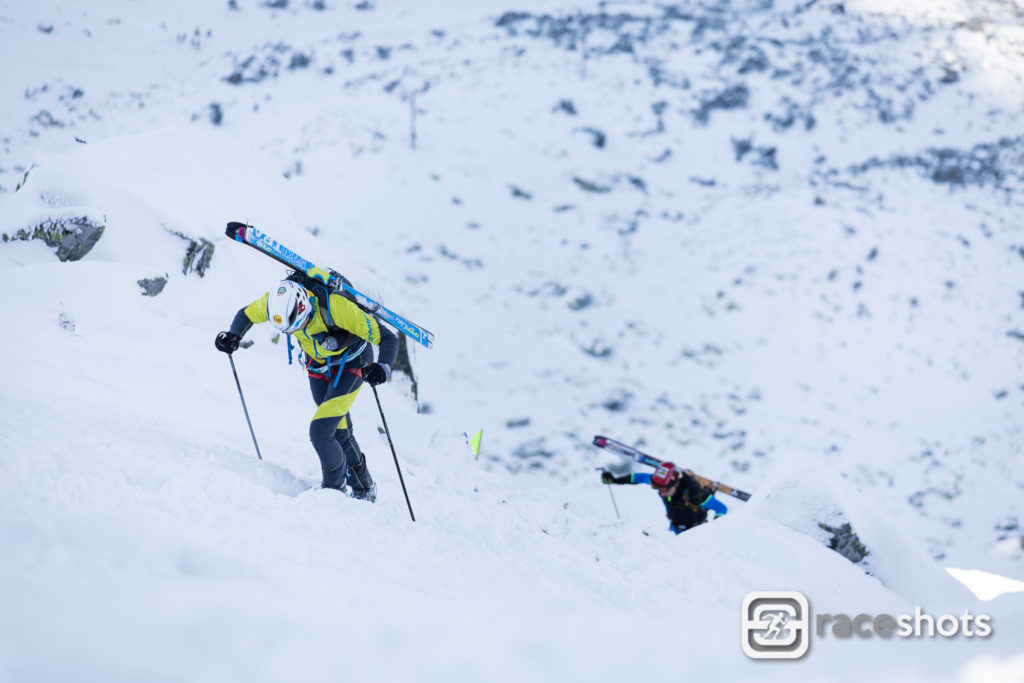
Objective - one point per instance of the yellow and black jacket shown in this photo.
(349, 330)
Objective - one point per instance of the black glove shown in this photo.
(376, 373)
(607, 477)
(227, 342)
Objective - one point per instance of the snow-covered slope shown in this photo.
(777, 243)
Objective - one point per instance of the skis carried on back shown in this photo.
(259, 240)
(644, 459)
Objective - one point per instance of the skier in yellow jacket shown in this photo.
(335, 336)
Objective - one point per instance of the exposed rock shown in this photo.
(589, 186)
(519, 193)
(151, 286)
(65, 322)
(597, 137)
(299, 60)
(197, 256)
(47, 120)
(258, 67)
(734, 97)
(597, 348)
(70, 237)
(533, 452)
(566, 106)
(403, 364)
(763, 156)
(582, 301)
(995, 164)
(845, 542)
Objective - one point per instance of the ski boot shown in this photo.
(360, 483)
(369, 494)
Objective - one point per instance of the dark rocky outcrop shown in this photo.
(70, 237)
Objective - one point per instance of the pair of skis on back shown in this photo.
(622, 449)
(260, 241)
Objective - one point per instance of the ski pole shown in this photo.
(617, 515)
(247, 420)
(395, 455)
(614, 504)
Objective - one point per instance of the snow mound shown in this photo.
(822, 505)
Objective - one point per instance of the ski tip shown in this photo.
(600, 441)
(235, 230)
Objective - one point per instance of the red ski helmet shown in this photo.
(665, 475)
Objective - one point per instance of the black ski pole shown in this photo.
(395, 455)
(614, 504)
(247, 420)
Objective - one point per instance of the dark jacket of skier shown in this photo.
(686, 501)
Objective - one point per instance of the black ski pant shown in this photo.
(341, 460)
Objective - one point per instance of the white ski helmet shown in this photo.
(288, 306)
